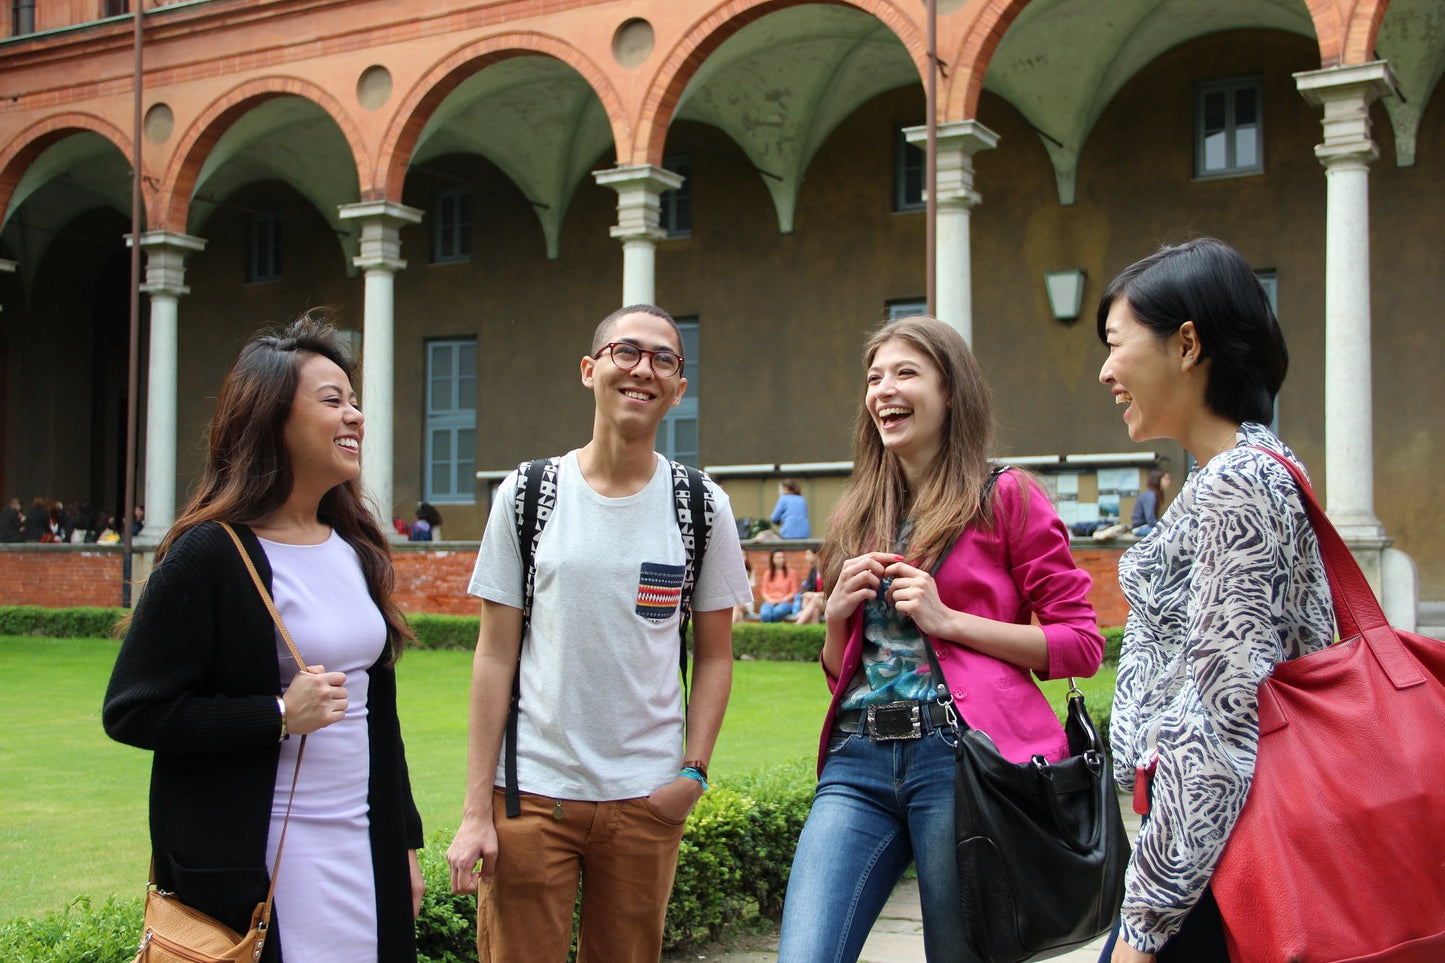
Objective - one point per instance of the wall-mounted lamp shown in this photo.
(1066, 293)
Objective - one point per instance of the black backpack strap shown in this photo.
(695, 508)
(536, 497)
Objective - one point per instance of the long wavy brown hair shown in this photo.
(248, 473)
(878, 499)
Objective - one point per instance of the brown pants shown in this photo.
(626, 855)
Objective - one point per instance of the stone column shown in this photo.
(639, 192)
(1345, 94)
(957, 143)
(380, 259)
(166, 254)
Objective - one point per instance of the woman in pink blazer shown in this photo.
(927, 541)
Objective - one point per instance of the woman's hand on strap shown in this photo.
(915, 594)
(858, 581)
(314, 700)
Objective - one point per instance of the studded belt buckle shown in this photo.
(893, 721)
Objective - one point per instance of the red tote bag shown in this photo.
(1339, 854)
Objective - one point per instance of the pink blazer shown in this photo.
(1021, 570)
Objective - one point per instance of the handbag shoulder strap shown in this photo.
(265, 597)
(1357, 611)
(301, 749)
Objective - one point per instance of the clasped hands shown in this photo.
(911, 590)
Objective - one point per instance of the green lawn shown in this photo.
(73, 803)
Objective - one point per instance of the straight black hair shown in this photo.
(1208, 282)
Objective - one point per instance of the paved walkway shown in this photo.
(897, 937)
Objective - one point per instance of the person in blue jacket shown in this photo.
(791, 513)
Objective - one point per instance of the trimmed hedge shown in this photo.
(76, 623)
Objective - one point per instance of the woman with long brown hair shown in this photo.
(204, 681)
(927, 541)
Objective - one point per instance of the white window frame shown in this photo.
(451, 237)
(687, 409)
(1230, 88)
(447, 417)
(263, 251)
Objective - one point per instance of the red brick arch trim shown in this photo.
(1329, 31)
(174, 203)
(968, 67)
(1363, 31)
(709, 31)
(29, 144)
(443, 77)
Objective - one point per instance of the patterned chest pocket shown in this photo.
(659, 589)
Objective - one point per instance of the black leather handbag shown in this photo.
(1041, 846)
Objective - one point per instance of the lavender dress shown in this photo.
(325, 892)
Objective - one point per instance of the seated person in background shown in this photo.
(812, 599)
(780, 589)
(428, 524)
(791, 512)
(1149, 502)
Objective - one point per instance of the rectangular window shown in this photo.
(676, 214)
(22, 17)
(677, 436)
(1228, 127)
(906, 309)
(451, 421)
(263, 262)
(908, 173)
(451, 238)
(114, 8)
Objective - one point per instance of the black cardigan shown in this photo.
(196, 681)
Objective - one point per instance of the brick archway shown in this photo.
(173, 204)
(968, 68)
(1364, 30)
(708, 33)
(444, 77)
(17, 157)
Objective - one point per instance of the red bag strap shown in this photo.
(1357, 611)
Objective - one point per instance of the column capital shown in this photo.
(957, 143)
(166, 253)
(1346, 94)
(381, 224)
(639, 191)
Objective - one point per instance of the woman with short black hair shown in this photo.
(1227, 585)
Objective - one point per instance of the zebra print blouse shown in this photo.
(1230, 583)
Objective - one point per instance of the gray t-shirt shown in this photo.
(601, 710)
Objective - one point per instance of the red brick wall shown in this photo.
(60, 576)
(435, 581)
(427, 580)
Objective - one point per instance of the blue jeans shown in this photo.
(878, 807)
(776, 612)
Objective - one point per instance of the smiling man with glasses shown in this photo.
(604, 778)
